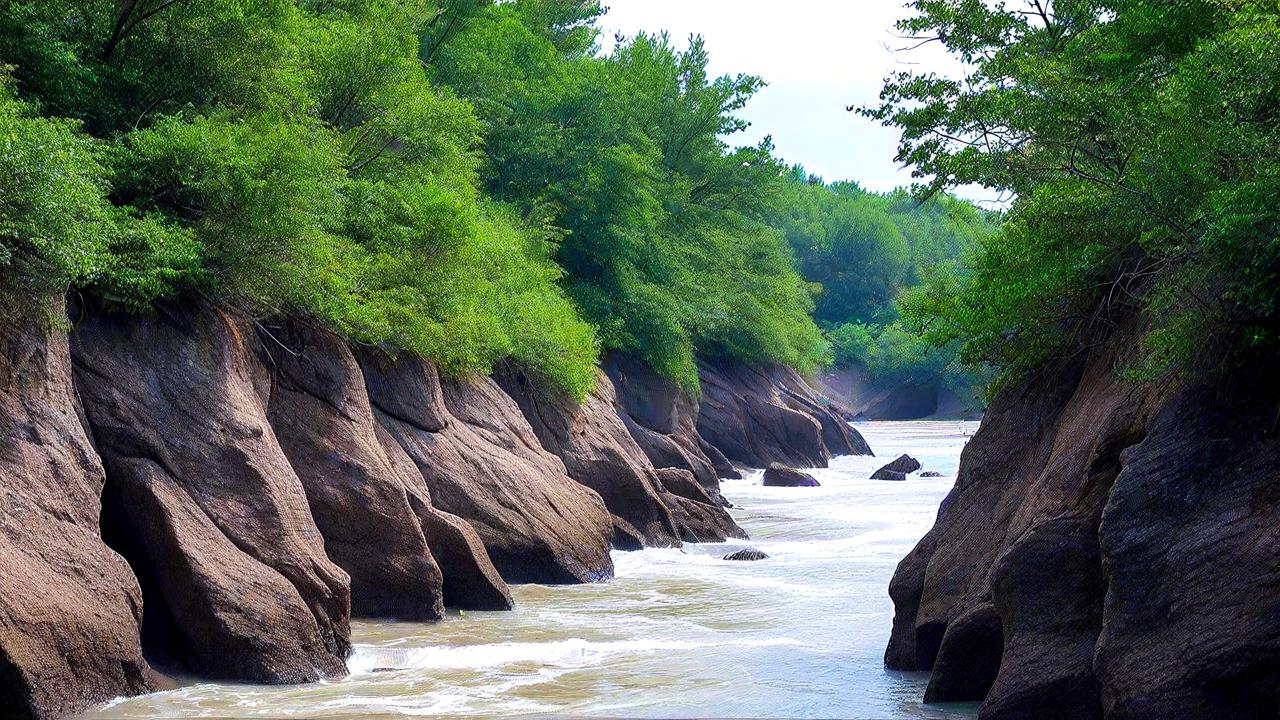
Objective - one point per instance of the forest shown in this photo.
(475, 182)
(1140, 143)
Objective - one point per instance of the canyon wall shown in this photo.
(192, 492)
(1109, 550)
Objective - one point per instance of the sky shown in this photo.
(818, 57)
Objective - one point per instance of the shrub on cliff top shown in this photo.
(1141, 143)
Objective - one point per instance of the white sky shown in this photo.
(817, 56)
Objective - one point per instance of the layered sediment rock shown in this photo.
(662, 419)
(70, 608)
(203, 502)
(372, 508)
(599, 452)
(699, 517)
(483, 463)
(1108, 551)
(758, 416)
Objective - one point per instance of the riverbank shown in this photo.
(674, 633)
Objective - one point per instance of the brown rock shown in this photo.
(598, 452)
(70, 608)
(760, 416)
(699, 517)
(471, 582)
(778, 475)
(662, 419)
(837, 435)
(483, 463)
(1123, 534)
(360, 500)
(902, 464)
(203, 502)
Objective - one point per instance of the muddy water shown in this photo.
(677, 633)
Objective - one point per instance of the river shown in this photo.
(676, 633)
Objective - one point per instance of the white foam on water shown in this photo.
(573, 652)
(677, 632)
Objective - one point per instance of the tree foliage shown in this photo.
(1141, 143)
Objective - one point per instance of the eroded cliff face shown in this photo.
(203, 502)
(372, 506)
(662, 419)
(483, 463)
(759, 416)
(599, 452)
(202, 494)
(70, 608)
(1109, 550)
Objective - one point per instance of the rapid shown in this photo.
(677, 633)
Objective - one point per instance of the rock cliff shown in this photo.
(211, 496)
(483, 463)
(203, 502)
(1109, 550)
(758, 416)
(70, 608)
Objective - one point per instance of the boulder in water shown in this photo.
(779, 475)
(903, 464)
(931, 474)
(746, 555)
(887, 474)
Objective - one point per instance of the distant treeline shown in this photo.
(472, 181)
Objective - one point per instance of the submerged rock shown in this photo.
(778, 475)
(930, 474)
(746, 555)
(70, 608)
(203, 502)
(482, 462)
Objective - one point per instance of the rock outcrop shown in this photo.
(898, 469)
(366, 502)
(779, 475)
(483, 463)
(699, 517)
(599, 452)
(70, 608)
(663, 419)
(902, 464)
(758, 416)
(1109, 550)
(203, 502)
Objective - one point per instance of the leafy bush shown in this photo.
(1140, 141)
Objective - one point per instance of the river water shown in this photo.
(676, 633)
